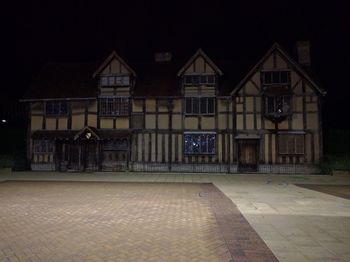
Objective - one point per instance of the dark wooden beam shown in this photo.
(254, 109)
(86, 113)
(44, 116)
(304, 106)
(163, 148)
(149, 147)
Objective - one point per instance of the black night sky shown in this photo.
(88, 31)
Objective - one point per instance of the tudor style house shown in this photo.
(179, 116)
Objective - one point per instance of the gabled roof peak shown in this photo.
(200, 52)
(113, 55)
(284, 54)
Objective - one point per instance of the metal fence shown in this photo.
(223, 168)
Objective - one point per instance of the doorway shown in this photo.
(248, 155)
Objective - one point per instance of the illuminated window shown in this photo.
(200, 105)
(199, 143)
(290, 144)
(114, 106)
(56, 108)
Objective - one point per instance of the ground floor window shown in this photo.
(199, 143)
(115, 150)
(43, 151)
(116, 144)
(291, 144)
(43, 146)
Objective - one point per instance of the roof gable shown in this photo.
(109, 59)
(199, 53)
(283, 54)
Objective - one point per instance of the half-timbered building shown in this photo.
(178, 116)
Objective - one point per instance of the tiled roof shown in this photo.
(64, 80)
(59, 80)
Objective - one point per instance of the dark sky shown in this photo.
(87, 31)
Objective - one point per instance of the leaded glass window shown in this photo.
(199, 143)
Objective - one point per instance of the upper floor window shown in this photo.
(200, 105)
(291, 144)
(56, 108)
(199, 143)
(278, 104)
(275, 77)
(199, 79)
(114, 106)
(115, 80)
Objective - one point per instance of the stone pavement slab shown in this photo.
(98, 221)
(296, 223)
(335, 190)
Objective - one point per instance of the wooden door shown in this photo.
(74, 158)
(248, 155)
(89, 156)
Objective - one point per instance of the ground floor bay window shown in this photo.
(43, 151)
(199, 143)
(291, 144)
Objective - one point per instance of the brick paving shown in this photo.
(97, 221)
(335, 190)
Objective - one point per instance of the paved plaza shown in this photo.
(295, 223)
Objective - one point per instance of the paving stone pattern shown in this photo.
(97, 221)
(335, 190)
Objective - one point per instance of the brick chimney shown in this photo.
(161, 57)
(303, 51)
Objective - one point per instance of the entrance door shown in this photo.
(74, 158)
(248, 155)
(89, 156)
(82, 156)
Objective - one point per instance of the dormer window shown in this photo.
(199, 79)
(123, 80)
(275, 77)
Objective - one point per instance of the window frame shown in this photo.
(272, 72)
(199, 100)
(56, 105)
(275, 97)
(189, 79)
(288, 137)
(46, 144)
(116, 145)
(108, 105)
(199, 143)
(112, 80)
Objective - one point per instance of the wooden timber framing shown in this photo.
(158, 141)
